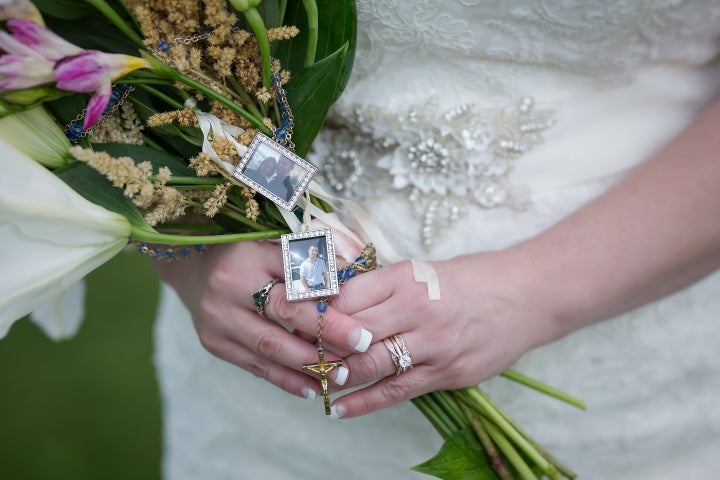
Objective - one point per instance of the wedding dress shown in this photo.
(471, 125)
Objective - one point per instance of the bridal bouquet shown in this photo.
(136, 122)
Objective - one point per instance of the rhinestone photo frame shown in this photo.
(306, 278)
(275, 172)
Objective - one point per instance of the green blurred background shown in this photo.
(87, 408)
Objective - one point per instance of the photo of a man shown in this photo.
(310, 265)
(313, 272)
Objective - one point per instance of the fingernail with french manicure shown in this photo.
(342, 375)
(309, 393)
(337, 411)
(361, 339)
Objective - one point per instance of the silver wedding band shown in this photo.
(399, 353)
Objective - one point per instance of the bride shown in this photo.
(557, 163)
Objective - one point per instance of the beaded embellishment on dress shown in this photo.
(442, 162)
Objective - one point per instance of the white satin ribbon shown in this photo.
(210, 124)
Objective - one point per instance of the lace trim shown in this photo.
(443, 163)
(599, 38)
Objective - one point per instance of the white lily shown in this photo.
(51, 236)
(61, 317)
(36, 134)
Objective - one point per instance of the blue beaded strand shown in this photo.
(349, 271)
(74, 130)
(322, 307)
(168, 254)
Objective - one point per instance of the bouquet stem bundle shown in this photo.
(480, 438)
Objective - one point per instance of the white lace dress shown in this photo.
(471, 125)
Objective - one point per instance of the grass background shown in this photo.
(87, 408)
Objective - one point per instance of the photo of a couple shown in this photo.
(275, 172)
(275, 175)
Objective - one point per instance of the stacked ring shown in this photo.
(399, 352)
(260, 298)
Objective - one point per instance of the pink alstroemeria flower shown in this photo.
(36, 56)
(94, 71)
(31, 53)
(22, 67)
(51, 46)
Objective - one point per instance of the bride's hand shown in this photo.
(479, 327)
(217, 288)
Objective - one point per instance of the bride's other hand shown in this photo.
(653, 233)
(479, 327)
(217, 288)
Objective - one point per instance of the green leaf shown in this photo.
(141, 153)
(65, 109)
(312, 90)
(270, 12)
(337, 26)
(97, 189)
(67, 9)
(460, 458)
(311, 94)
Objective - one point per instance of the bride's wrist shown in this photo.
(526, 285)
(498, 285)
(550, 283)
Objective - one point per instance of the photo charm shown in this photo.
(275, 172)
(310, 265)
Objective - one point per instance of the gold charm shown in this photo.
(369, 256)
(322, 367)
(366, 262)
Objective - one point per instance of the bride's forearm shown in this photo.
(655, 232)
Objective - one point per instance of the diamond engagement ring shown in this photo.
(399, 352)
(260, 298)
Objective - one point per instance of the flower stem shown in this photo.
(508, 450)
(258, 27)
(478, 399)
(240, 92)
(450, 407)
(192, 227)
(541, 387)
(179, 181)
(223, 100)
(162, 96)
(233, 212)
(559, 466)
(160, 69)
(496, 461)
(438, 420)
(117, 20)
(152, 236)
(312, 13)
